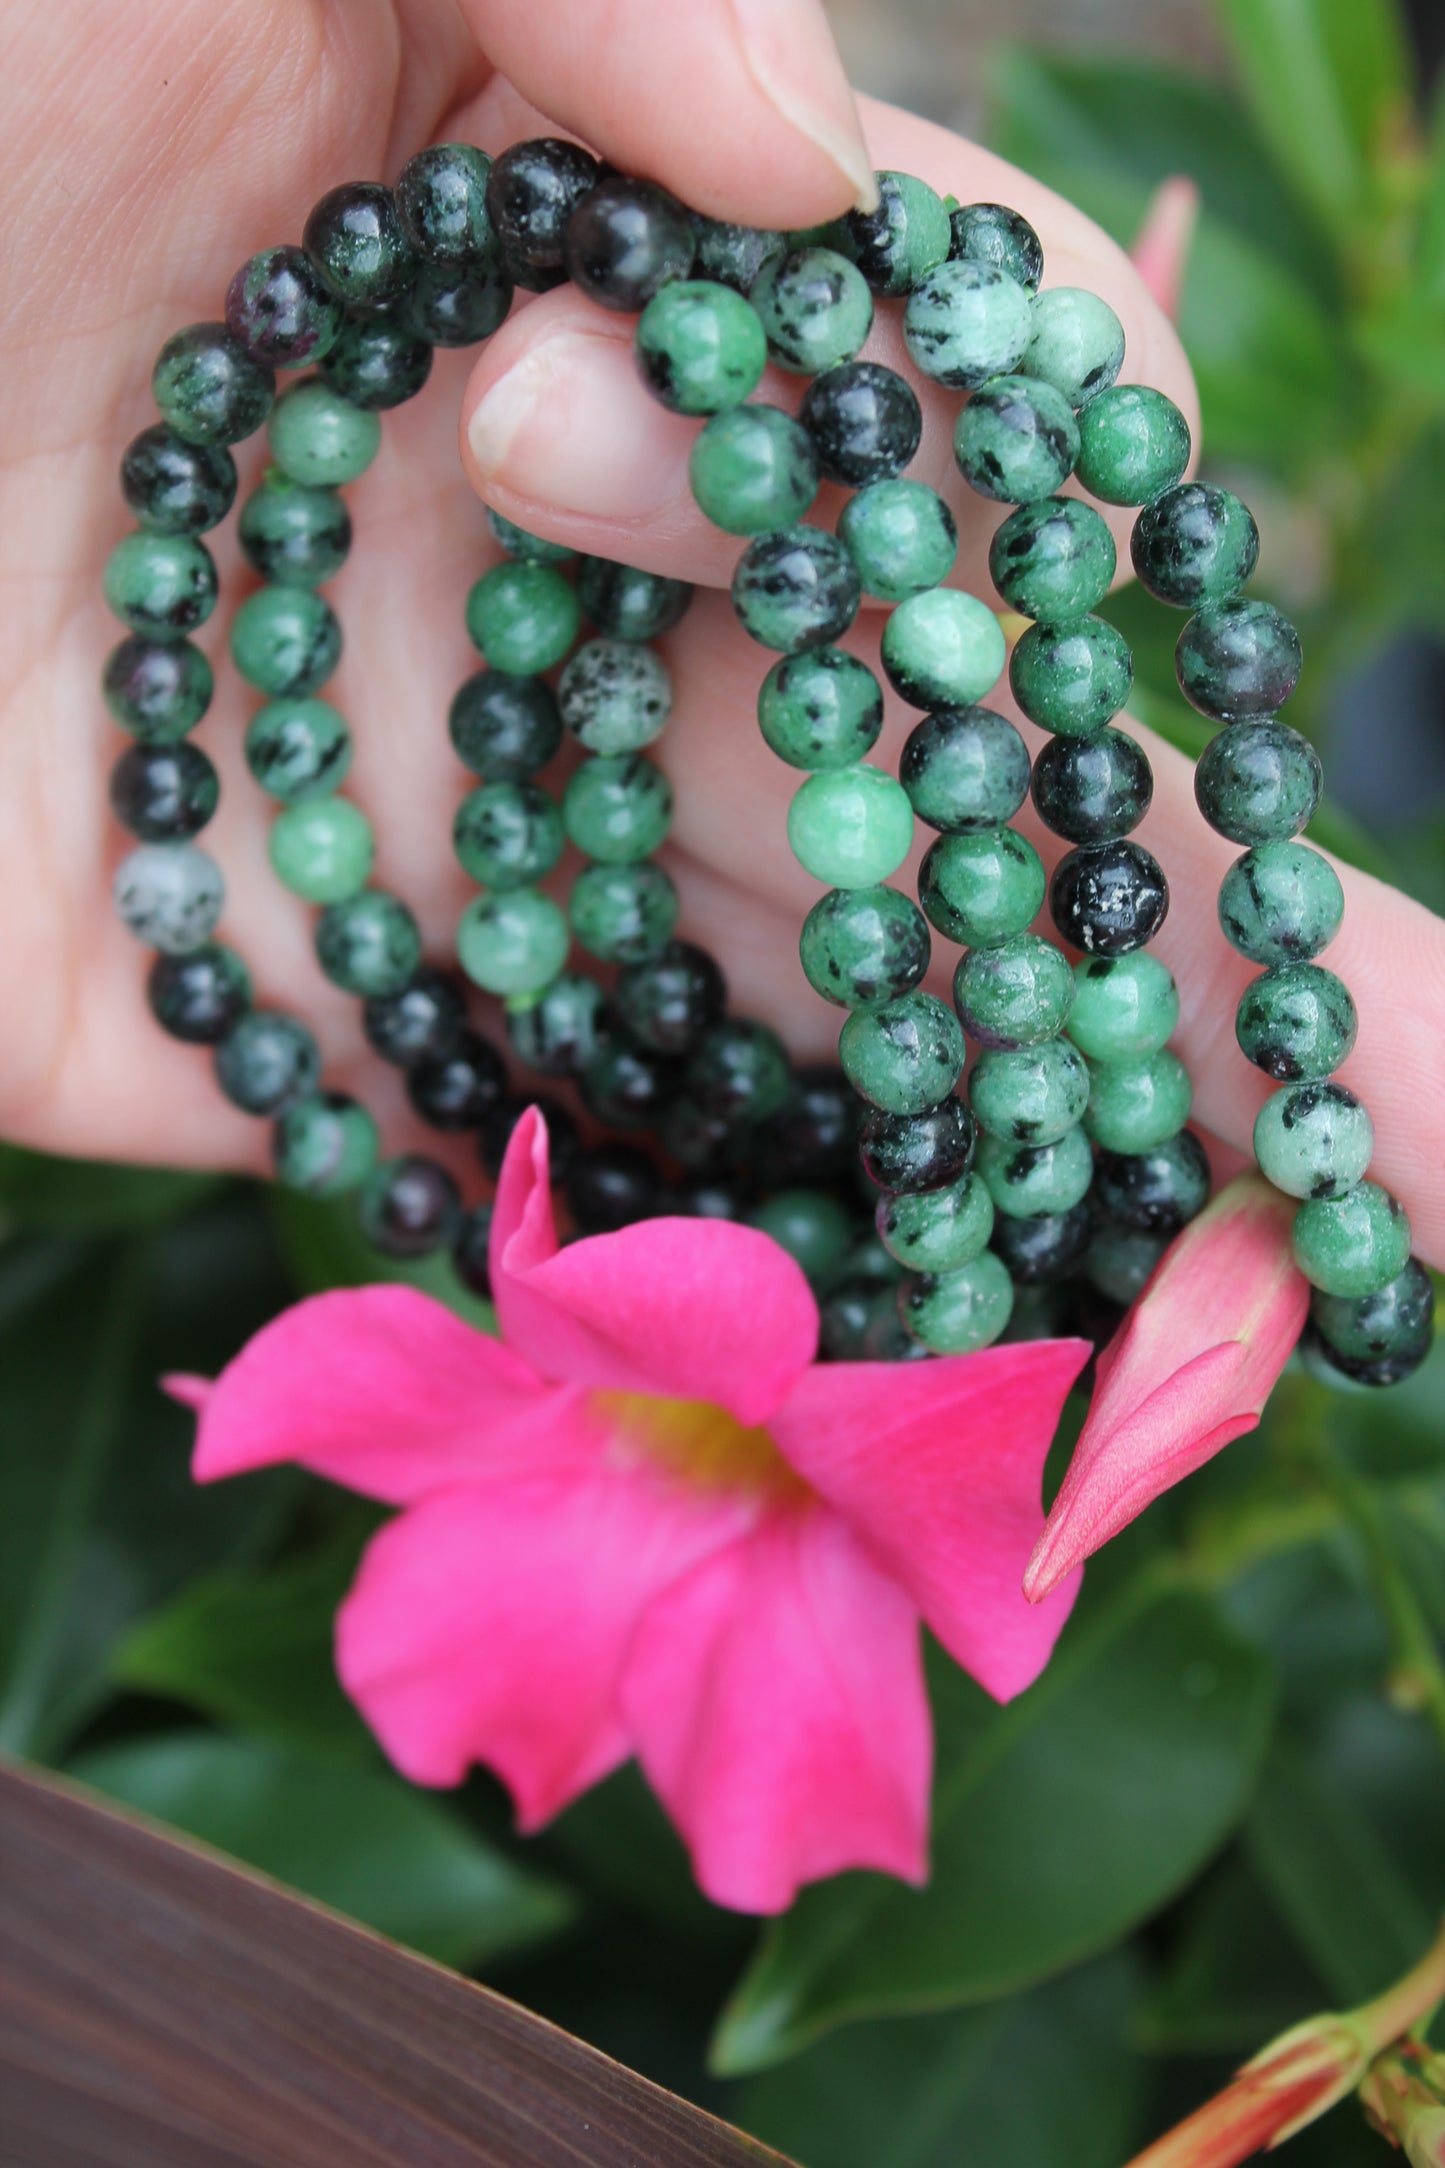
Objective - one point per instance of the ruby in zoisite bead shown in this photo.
(625, 241)
(1108, 898)
(532, 191)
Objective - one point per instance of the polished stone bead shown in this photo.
(1238, 661)
(1017, 994)
(409, 1207)
(812, 1225)
(626, 603)
(501, 1119)
(1033, 1095)
(266, 1060)
(700, 347)
(735, 255)
(795, 588)
(532, 191)
(1076, 343)
(952, 1313)
(1258, 783)
(1194, 544)
(991, 233)
(281, 309)
(822, 709)
(901, 537)
(444, 307)
(903, 238)
(981, 889)
(1381, 1337)
(173, 487)
(1016, 440)
(354, 238)
(505, 727)
(558, 1032)
(1313, 1139)
(668, 1002)
(377, 363)
(322, 849)
(512, 943)
(1043, 1248)
(707, 1144)
(854, 1318)
(816, 309)
(169, 895)
(626, 241)
(614, 696)
(209, 388)
(292, 534)
(851, 827)
(1108, 898)
(161, 585)
(1073, 676)
(1157, 1191)
(298, 749)
(324, 1146)
(908, 1153)
(1133, 444)
(903, 1055)
(964, 769)
(471, 1251)
(441, 204)
(1137, 1104)
(626, 1086)
(753, 468)
(942, 649)
(1297, 1020)
(864, 945)
(319, 438)
(1352, 1245)
(157, 690)
(617, 810)
(528, 549)
(453, 1089)
(286, 641)
(739, 1071)
(508, 835)
(163, 793)
(864, 422)
(1124, 1006)
(198, 997)
(609, 1186)
(813, 1137)
(1120, 1261)
(523, 618)
(1026, 1180)
(1280, 903)
(937, 1230)
(623, 914)
(1092, 790)
(370, 944)
(1052, 560)
(423, 1019)
(965, 322)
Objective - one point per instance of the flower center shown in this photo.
(700, 1442)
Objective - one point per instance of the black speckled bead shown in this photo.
(198, 997)
(1194, 544)
(796, 588)
(448, 306)
(209, 388)
(1280, 903)
(734, 255)
(813, 1137)
(739, 1071)
(471, 1251)
(505, 728)
(865, 422)
(164, 793)
(911, 1152)
(453, 1089)
(669, 1001)
(294, 536)
(625, 241)
(173, 487)
(1108, 898)
(409, 1207)
(626, 1086)
(354, 238)
(1381, 1338)
(627, 603)
(1092, 790)
(157, 690)
(558, 1033)
(1016, 440)
(532, 191)
(610, 1186)
(501, 1119)
(991, 233)
(376, 363)
(281, 309)
(1238, 661)
(441, 204)
(1157, 1191)
(863, 945)
(1258, 782)
(420, 1023)
(266, 1060)
(964, 769)
(1296, 1021)
(369, 944)
(1044, 1248)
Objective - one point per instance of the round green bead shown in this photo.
(625, 602)
(1352, 1245)
(900, 241)
(1238, 661)
(991, 233)
(292, 534)
(1258, 782)
(614, 696)
(298, 749)
(740, 1072)
(1395, 1321)
(209, 387)
(1120, 1260)
(1015, 995)
(1029, 1181)
(161, 585)
(322, 849)
(1280, 903)
(1133, 443)
(851, 827)
(157, 690)
(1054, 559)
(1139, 1103)
(370, 944)
(286, 641)
(1076, 343)
(617, 810)
(1016, 440)
(515, 943)
(528, 549)
(319, 438)
(966, 322)
(753, 468)
(815, 307)
(964, 769)
(1032, 1095)
(700, 346)
(795, 588)
(812, 1225)
(1296, 1021)
(937, 1230)
(943, 649)
(441, 204)
(823, 709)
(861, 945)
(324, 1146)
(1072, 677)
(508, 835)
(1124, 1006)
(523, 618)
(955, 1312)
(904, 1055)
(623, 914)
(982, 889)
(901, 536)
(1314, 1139)
(1194, 544)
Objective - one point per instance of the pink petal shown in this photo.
(491, 1626)
(939, 1467)
(1161, 247)
(776, 1696)
(687, 1308)
(386, 1391)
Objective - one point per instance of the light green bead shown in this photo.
(1281, 903)
(515, 943)
(161, 585)
(822, 709)
(753, 468)
(319, 438)
(901, 536)
(1076, 343)
(982, 889)
(1133, 443)
(816, 309)
(1017, 994)
(322, 849)
(623, 914)
(614, 696)
(851, 827)
(700, 346)
(1354, 1244)
(1034, 1095)
(937, 1230)
(955, 1312)
(1124, 1006)
(523, 618)
(943, 649)
(286, 641)
(1027, 1180)
(903, 1055)
(1137, 1104)
(965, 322)
(1313, 1139)
(324, 1146)
(617, 810)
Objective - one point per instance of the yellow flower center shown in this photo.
(703, 1444)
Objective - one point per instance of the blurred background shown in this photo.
(1224, 1807)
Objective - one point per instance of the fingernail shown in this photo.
(789, 51)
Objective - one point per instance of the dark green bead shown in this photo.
(1025, 1180)
(1238, 661)
(409, 1207)
(503, 727)
(1016, 440)
(1124, 1006)
(523, 618)
(1034, 1095)
(298, 749)
(208, 387)
(740, 1072)
(964, 769)
(322, 849)
(864, 422)
(1017, 994)
(903, 1055)
(1258, 783)
(324, 1146)
(281, 309)
(626, 603)
(370, 944)
(1352, 1245)
(163, 793)
(268, 1060)
(1297, 1020)
(626, 1086)
(908, 1153)
(456, 307)
(198, 997)
(513, 941)
(1158, 1191)
(508, 835)
(862, 945)
(293, 535)
(528, 549)
(377, 363)
(953, 1313)
(1037, 1251)
(1076, 343)
(700, 346)
(902, 239)
(901, 537)
(1073, 676)
(162, 586)
(614, 696)
(354, 238)
(1138, 1104)
(795, 588)
(943, 649)
(319, 438)
(1054, 559)
(1314, 1139)
(991, 233)
(965, 322)
(815, 307)
(617, 810)
(286, 641)
(938, 1229)
(823, 709)
(1280, 903)
(1133, 444)
(668, 1002)
(1092, 790)
(981, 889)
(1121, 1260)
(753, 468)
(1195, 544)
(623, 914)
(735, 255)
(558, 1031)
(157, 690)
(812, 1225)
(173, 487)
(855, 1319)
(1381, 1336)
(441, 204)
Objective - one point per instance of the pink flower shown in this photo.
(651, 1524)
(1189, 1369)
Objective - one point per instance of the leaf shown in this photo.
(1430, 239)
(1234, 1975)
(361, 1841)
(325, 1248)
(39, 1194)
(1079, 1811)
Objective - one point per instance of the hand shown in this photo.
(150, 151)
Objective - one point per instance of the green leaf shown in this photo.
(1430, 239)
(325, 1248)
(1234, 1976)
(42, 1195)
(1076, 1813)
(361, 1841)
